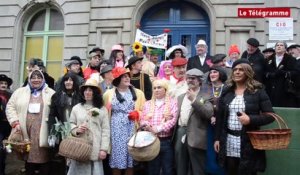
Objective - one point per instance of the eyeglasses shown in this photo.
(157, 87)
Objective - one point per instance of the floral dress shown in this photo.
(121, 131)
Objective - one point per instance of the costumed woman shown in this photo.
(121, 101)
(117, 57)
(159, 117)
(27, 112)
(90, 119)
(165, 70)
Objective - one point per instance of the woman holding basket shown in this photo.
(27, 112)
(90, 119)
(159, 117)
(241, 109)
(122, 101)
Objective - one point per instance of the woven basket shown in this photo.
(76, 148)
(271, 139)
(19, 146)
(145, 153)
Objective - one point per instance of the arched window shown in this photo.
(43, 38)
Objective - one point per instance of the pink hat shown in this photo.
(117, 47)
(233, 48)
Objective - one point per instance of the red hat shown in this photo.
(233, 48)
(179, 62)
(117, 73)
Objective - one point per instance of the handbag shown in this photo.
(143, 146)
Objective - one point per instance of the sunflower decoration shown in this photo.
(137, 47)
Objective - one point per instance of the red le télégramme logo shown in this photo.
(264, 12)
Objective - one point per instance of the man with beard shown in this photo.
(5, 83)
(280, 69)
(194, 113)
(177, 83)
(256, 59)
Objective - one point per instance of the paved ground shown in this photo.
(13, 165)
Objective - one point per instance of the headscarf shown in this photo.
(33, 90)
(161, 72)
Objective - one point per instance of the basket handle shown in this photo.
(14, 131)
(281, 123)
(135, 134)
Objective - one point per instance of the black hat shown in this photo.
(218, 58)
(132, 60)
(77, 58)
(253, 42)
(36, 61)
(7, 79)
(97, 49)
(293, 46)
(268, 50)
(71, 63)
(240, 61)
(222, 73)
(106, 69)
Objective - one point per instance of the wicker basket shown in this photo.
(76, 148)
(19, 146)
(271, 139)
(144, 153)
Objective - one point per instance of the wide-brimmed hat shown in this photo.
(132, 60)
(106, 69)
(177, 47)
(102, 51)
(117, 72)
(90, 83)
(6, 79)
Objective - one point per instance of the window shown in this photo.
(43, 38)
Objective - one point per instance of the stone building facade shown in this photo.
(103, 23)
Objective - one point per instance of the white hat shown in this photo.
(179, 46)
(201, 42)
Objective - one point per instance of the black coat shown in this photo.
(258, 64)
(142, 81)
(251, 160)
(276, 79)
(194, 62)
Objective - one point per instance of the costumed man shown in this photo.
(194, 113)
(177, 83)
(233, 55)
(280, 70)
(154, 58)
(93, 66)
(143, 52)
(137, 79)
(268, 52)
(202, 60)
(73, 66)
(106, 74)
(36, 63)
(5, 83)
(256, 59)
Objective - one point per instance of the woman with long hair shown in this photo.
(27, 112)
(159, 117)
(90, 118)
(117, 57)
(241, 109)
(121, 101)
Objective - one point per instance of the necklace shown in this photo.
(217, 90)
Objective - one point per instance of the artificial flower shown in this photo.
(137, 47)
(134, 115)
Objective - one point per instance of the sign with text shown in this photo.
(264, 12)
(159, 41)
(281, 29)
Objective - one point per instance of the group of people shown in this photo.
(200, 108)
